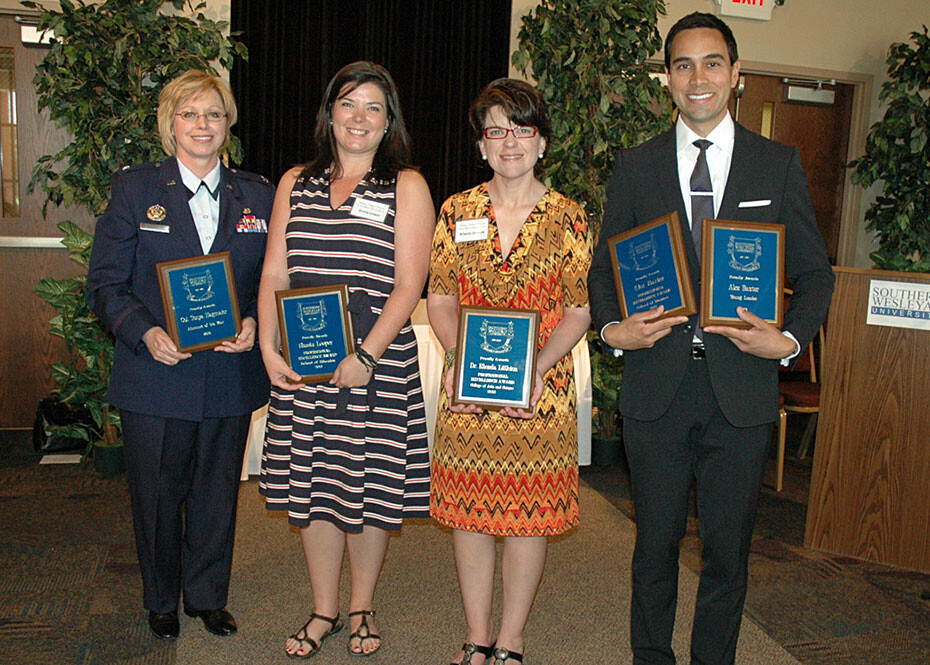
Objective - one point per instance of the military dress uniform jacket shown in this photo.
(147, 221)
(766, 183)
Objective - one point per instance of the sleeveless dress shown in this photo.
(352, 456)
(491, 473)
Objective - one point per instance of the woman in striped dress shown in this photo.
(348, 459)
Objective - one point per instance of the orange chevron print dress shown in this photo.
(490, 473)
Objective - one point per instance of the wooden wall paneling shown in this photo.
(26, 347)
(821, 133)
(869, 496)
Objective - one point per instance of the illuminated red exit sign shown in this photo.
(758, 9)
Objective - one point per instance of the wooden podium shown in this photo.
(870, 486)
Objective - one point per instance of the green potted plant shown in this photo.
(82, 380)
(897, 152)
(590, 64)
(100, 81)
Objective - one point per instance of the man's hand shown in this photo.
(642, 330)
(763, 339)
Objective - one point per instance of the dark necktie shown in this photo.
(702, 194)
(203, 185)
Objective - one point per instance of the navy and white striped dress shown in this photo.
(352, 456)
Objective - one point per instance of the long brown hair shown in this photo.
(393, 154)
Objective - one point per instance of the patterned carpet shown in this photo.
(64, 528)
(823, 609)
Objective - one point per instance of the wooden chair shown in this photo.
(799, 396)
(780, 459)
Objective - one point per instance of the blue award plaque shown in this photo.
(199, 298)
(743, 264)
(650, 268)
(316, 331)
(495, 364)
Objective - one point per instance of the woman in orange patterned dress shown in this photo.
(514, 472)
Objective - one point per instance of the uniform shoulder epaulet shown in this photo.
(246, 175)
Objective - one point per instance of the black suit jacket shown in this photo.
(644, 186)
(122, 289)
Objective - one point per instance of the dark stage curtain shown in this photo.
(439, 53)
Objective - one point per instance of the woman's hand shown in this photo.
(351, 373)
(162, 347)
(279, 372)
(526, 414)
(449, 383)
(244, 342)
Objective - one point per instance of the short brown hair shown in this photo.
(521, 103)
(190, 84)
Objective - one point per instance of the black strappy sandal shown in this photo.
(470, 648)
(335, 625)
(502, 656)
(362, 636)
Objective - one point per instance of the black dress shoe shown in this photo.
(164, 626)
(218, 622)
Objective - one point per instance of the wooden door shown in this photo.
(26, 347)
(820, 132)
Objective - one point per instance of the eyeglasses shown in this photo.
(498, 133)
(193, 116)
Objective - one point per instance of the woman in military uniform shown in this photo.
(185, 416)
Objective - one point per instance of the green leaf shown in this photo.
(896, 154)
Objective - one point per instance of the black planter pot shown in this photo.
(606, 452)
(109, 460)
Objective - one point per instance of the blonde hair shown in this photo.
(190, 84)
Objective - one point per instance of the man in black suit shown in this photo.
(698, 405)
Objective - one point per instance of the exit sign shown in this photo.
(757, 9)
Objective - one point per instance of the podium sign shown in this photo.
(495, 364)
(742, 264)
(199, 299)
(316, 331)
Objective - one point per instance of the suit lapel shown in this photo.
(179, 212)
(230, 210)
(743, 162)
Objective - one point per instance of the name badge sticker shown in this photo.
(370, 210)
(469, 230)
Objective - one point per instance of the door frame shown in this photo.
(850, 216)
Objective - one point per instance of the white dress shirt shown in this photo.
(719, 154)
(204, 208)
